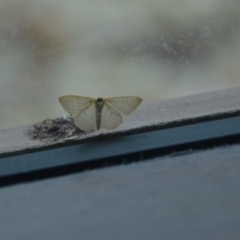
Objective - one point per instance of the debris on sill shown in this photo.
(55, 130)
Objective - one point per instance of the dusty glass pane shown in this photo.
(154, 49)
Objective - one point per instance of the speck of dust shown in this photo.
(55, 130)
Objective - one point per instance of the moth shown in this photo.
(90, 113)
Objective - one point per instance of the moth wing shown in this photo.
(86, 119)
(124, 105)
(74, 104)
(110, 117)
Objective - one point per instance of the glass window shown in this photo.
(154, 49)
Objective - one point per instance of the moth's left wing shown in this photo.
(124, 105)
(86, 119)
(75, 104)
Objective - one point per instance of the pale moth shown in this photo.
(90, 113)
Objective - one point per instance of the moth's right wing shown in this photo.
(75, 104)
(124, 105)
(110, 117)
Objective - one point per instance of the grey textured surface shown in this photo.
(147, 115)
(195, 196)
(121, 146)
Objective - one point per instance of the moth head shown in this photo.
(99, 100)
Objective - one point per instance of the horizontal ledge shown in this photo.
(157, 115)
(136, 147)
